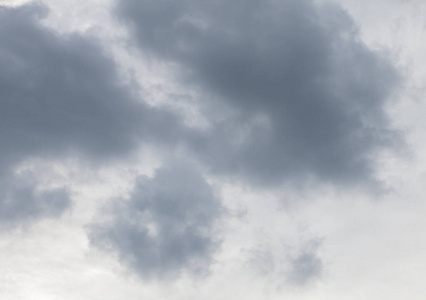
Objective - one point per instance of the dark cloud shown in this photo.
(306, 98)
(165, 228)
(25, 203)
(300, 96)
(61, 96)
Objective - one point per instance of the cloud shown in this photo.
(306, 266)
(61, 96)
(262, 261)
(290, 267)
(303, 96)
(166, 226)
(26, 203)
(288, 89)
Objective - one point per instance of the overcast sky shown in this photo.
(212, 149)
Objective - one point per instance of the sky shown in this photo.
(184, 149)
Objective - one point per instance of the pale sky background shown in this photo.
(255, 149)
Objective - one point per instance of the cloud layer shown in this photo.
(305, 97)
(289, 91)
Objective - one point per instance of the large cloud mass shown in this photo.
(288, 91)
(305, 96)
(60, 95)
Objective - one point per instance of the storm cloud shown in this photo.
(300, 95)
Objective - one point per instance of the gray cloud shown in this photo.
(306, 266)
(307, 96)
(299, 268)
(165, 228)
(301, 97)
(61, 96)
(25, 203)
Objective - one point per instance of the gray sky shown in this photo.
(212, 149)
